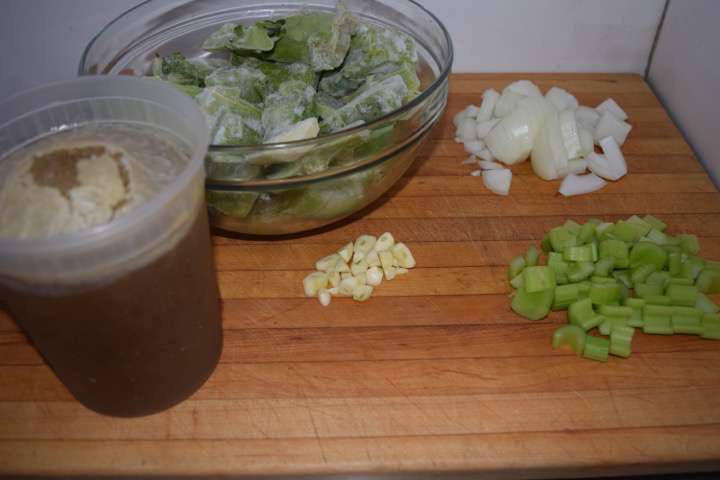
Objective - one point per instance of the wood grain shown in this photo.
(434, 373)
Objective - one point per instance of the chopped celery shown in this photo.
(657, 300)
(578, 253)
(572, 227)
(603, 229)
(636, 320)
(532, 306)
(596, 348)
(605, 293)
(671, 249)
(687, 320)
(657, 237)
(587, 232)
(623, 276)
(565, 295)
(621, 340)
(580, 271)
(655, 222)
(658, 278)
(643, 226)
(679, 281)
(617, 249)
(571, 336)
(604, 266)
(708, 281)
(640, 274)
(517, 265)
(646, 253)
(583, 288)
(643, 290)
(657, 325)
(615, 311)
(545, 244)
(538, 279)
(600, 279)
(705, 304)
(682, 295)
(711, 326)
(561, 237)
(634, 302)
(611, 323)
(692, 267)
(518, 281)
(689, 243)
(674, 264)
(581, 313)
(531, 256)
(627, 232)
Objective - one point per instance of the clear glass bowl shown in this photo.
(354, 167)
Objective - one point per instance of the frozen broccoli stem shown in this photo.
(291, 103)
(177, 69)
(374, 50)
(230, 166)
(258, 37)
(370, 103)
(318, 39)
(278, 73)
(251, 82)
(232, 119)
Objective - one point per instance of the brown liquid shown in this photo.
(139, 345)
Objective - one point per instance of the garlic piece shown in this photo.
(329, 263)
(346, 252)
(403, 255)
(384, 242)
(314, 282)
(374, 276)
(387, 260)
(362, 293)
(365, 243)
(324, 297)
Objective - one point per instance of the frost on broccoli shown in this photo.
(258, 37)
(291, 103)
(177, 69)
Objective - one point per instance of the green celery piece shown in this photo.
(646, 253)
(688, 312)
(657, 237)
(671, 249)
(177, 69)
(326, 106)
(634, 302)
(517, 281)
(687, 320)
(682, 294)
(533, 306)
(658, 278)
(655, 222)
(705, 304)
(565, 295)
(319, 39)
(610, 323)
(517, 265)
(689, 243)
(674, 263)
(679, 281)
(572, 226)
(616, 311)
(583, 288)
(711, 318)
(605, 293)
(545, 244)
(604, 266)
(643, 290)
(578, 253)
(640, 274)
(251, 83)
(657, 324)
(369, 103)
(624, 292)
(595, 221)
(658, 300)
(621, 340)
(643, 226)
(538, 278)
(661, 310)
(233, 204)
(623, 276)
(636, 320)
(291, 103)
(603, 229)
(581, 313)
(616, 249)
(587, 232)
(627, 232)
(692, 267)
(708, 281)
(600, 279)
(711, 326)
(578, 271)
(560, 238)
(531, 256)
(596, 348)
(571, 336)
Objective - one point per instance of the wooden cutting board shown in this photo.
(434, 373)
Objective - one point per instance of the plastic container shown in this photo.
(126, 313)
(370, 158)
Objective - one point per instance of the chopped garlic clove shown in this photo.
(341, 266)
(387, 260)
(329, 263)
(384, 242)
(372, 258)
(470, 160)
(334, 278)
(314, 282)
(401, 271)
(358, 266)
(361, 278)
(362, 293)
(348, 285)
(365, 243)
(345, 275)
(374, 276)
(404, 257)
(346, 252)
(324, 297)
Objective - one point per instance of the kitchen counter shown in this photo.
(434, 373)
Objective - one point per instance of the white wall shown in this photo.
(685, 74)
(43, 39)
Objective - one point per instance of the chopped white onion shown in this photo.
(610, 126)
(459, 118)
(498, 181)
(467, 132)
(549, 156)
(587, 144)
(487, 107)
(574, 167)
(471, 160)
(570, 134)
(486, 155)
(476, 173)
(474, 147)
(561, 99)
(506, 104)
(615, 158)
(587, 117)
(483, 128)
(611, 106)
(525, 88)
(488, 165)
(598, 164)
(512, 139)
(581, 184)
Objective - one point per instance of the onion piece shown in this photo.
(574, 167)
(506, 104)
(486, 155)
(459, 118)
(498, 181)
(487, 107)
(561, 99)
(467, 132)
(587, 117)
(525, 88)
(610, 126)
(587, 144)
(483, 128)
(512, 139)
(471, 160)
(598, 164)
(474, 147)
(581, 184)
(476, 173)
(487, 165)
(611, 106)
(615, 158)
(570, 134)
(549, 156)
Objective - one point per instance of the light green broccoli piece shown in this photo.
(179, 70)
(232, 119)
(291, 103)
(251, 82)
(258, 37)
(277, 73)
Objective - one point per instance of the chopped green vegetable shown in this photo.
(605, 293)
(646, 253)
(581, 313)
(687, 320)
(655, 223)
(604, 266)
(580, 271)
(657, 300)
(596, 348)
(532, 256)
(617, 250)
(571, 336)
(621, 340)
(708, 281)
(538, 278)
(517, 264)
(705, 304)
(560, 238)
(565, 295)
(682, 295)
(640, 274)
(644, 290)
(533, 306)
(177, 69)
(587, 232)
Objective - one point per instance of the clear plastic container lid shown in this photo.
(99, 254)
